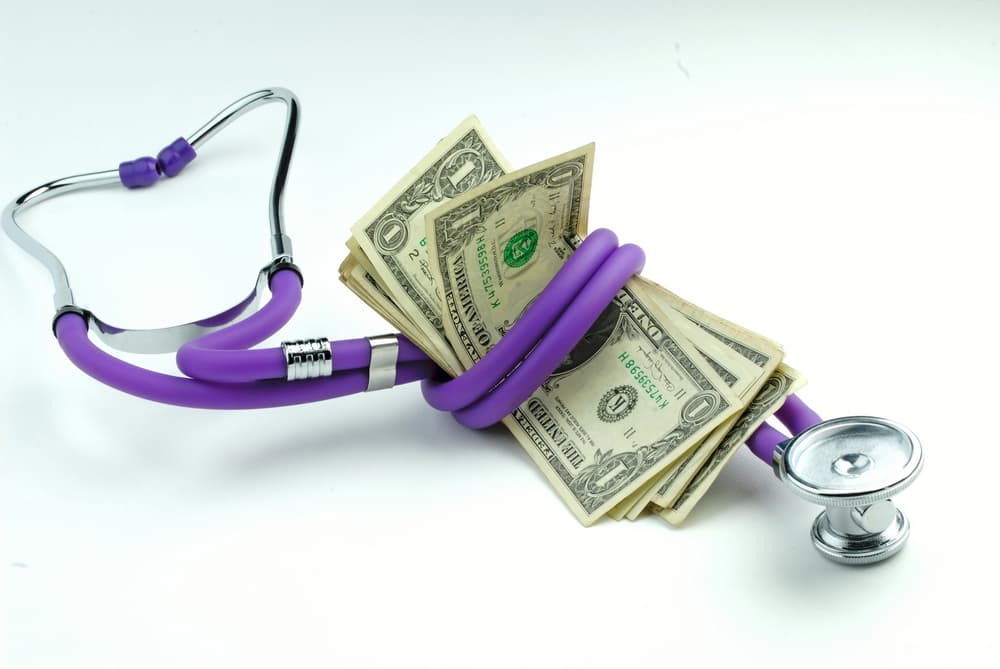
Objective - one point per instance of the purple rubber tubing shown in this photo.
(222, 357)
(221, 368)
(796, 416)
(543, 359)
(463, 390)
(71, 330)
(763, 441)
(793, 414)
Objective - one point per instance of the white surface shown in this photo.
(824, 174)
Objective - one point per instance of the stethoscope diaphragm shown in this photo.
(853, 466)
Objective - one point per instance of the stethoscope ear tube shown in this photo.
(145, 172)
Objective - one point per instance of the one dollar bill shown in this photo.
(759, 357)
(741, 360)
(783, 382)
(391, 239)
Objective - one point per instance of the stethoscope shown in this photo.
(853, 465)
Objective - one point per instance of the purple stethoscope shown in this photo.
(853, 465)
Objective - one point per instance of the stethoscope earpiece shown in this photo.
(853, 466)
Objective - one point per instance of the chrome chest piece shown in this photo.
(853, 466)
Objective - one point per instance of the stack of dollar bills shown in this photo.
(650, 404)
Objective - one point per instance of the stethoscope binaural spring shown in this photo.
(851, 465)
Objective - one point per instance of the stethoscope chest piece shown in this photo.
(853, 466)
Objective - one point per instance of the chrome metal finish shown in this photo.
(281, 244)
(875, 517)
(308, 358)
(63, 294)
(853, 466)
(863, 548)
(168, 339)
(382, 368)
(850, 461)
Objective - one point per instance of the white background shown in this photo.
(825, 173)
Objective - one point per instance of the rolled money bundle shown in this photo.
(648, 406)
(671, 398)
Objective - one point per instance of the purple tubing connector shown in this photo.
(763, 441)
(139, 173)
(795, 415)
(175, 157)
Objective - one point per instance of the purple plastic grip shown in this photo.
(140, 172)
(175, 156)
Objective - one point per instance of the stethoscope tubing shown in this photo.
(224, 373)
(795, 415)
(557, 341)
(225, 356)
(238, 379)
(72, 332)
(463, 390)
